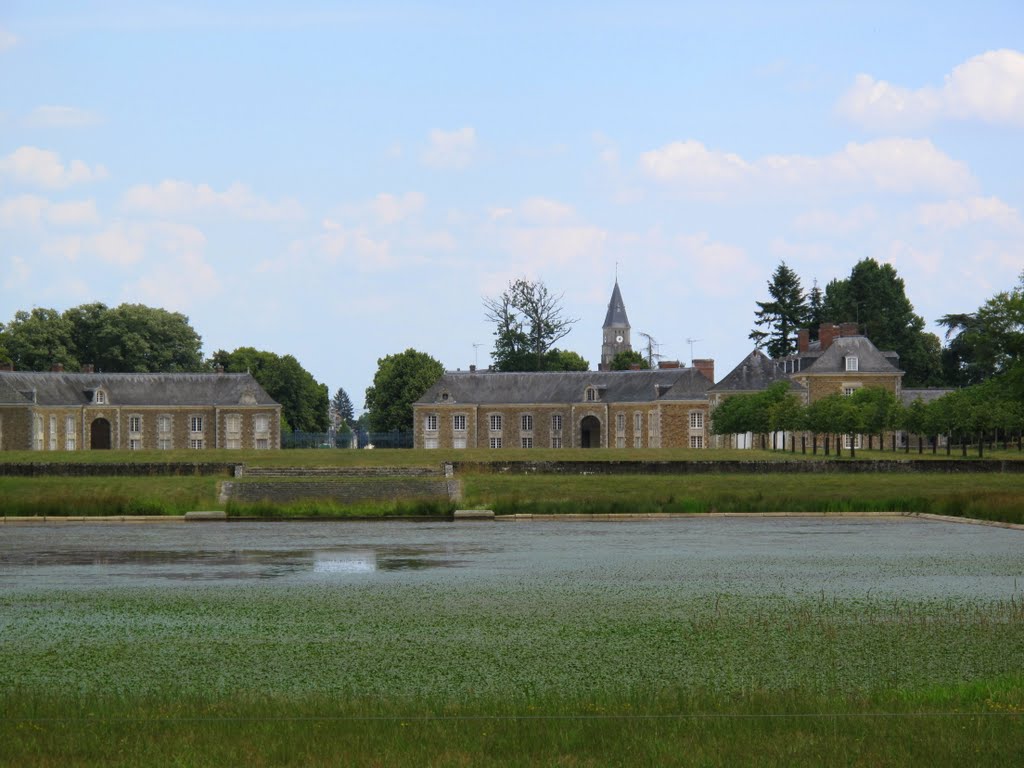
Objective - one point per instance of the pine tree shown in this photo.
(783, 316)
(815, 309)
(343, 406)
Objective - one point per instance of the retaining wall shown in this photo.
(340, 490)
(116, 469)
(809, 466)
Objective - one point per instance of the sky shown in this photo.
(343, 181)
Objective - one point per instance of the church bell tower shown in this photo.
(615, 332)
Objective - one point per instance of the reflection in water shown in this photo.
(327, 563)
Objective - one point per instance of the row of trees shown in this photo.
(134, 338)
(966, 416)
(873, 296)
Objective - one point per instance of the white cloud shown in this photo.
(334, 245)
(73, 213)
(57, 117)
(544, 209)
(176, 198)
(16, 272)
(451, 149)
(722, 269)
(988, 87)
(119, 244)
(22, 211)
(955, 214)
(834, 222)
(7, 40)
(43, 168)
(893, 165)
(386, 208)
(31, 210)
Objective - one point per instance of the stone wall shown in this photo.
(116, 469)
(808, 466)
(338, 489)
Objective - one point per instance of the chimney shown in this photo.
(634, 366)
(57, 368)
(668, 364)
(849, 329)
(218, 368)
(803, 340)
(827, 334)
(87, 368)
(707, 367)
(7, 366)
(472, 369)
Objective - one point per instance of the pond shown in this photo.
(843, 557)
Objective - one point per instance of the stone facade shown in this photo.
(621, 409)
(84, 411)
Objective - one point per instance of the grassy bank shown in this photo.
(97, 496)
(986, 496)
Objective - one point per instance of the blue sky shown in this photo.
(342, 181)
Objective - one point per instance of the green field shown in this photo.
(565, 674)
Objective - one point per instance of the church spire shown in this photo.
(616, 317)
(615, 331)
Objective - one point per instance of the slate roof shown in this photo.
(869, 359)
(489, 388)
(169, 389)
(616, 317)
(757, 372)
(925, 395)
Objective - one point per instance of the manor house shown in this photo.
(669, 407)
(93, 411)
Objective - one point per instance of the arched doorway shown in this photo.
(590, 432)
(99, 435)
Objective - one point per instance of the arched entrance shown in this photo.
(99, 435)
(590, 432)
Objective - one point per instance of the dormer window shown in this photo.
(444, 397)
(852, 364)
(591, 395)
(99, 397)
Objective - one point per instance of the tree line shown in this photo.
(134, 338)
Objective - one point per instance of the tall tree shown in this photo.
(38, 339)
(815, 309)
(401, 379)
(303, 400)
(874, 296)
(987, 342)
(625, 360)
(135, 338)
(783, 315)
(343, 406)
(528, 320)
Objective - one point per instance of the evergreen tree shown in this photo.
(343, 406)
(815, 309)
(783, 315)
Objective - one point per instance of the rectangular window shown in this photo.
(53, 433)
(620, 423)
(164, 443)
(638, 440)
(195, 443)
(495, 422)
(163, 423)
(134, 444)
(591, 394)
(459, 442)
(430, 442)
(459, 423)
(38, 426)
(852, 363)
(653, 438)
(431, 423)
(556, 441)
(620, 441)
(262, 422)
(233, 422)
(527, 442)
(495, 442)
(696, 419)
(527, 423)
(262, 443)
(69, 433)
(847, 391)
(556, 423)
(638, 422)
(134, 423)
(233, 443)
(196, 424)
(696, 441)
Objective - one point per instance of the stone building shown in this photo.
(58, 411)
(664, 408)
